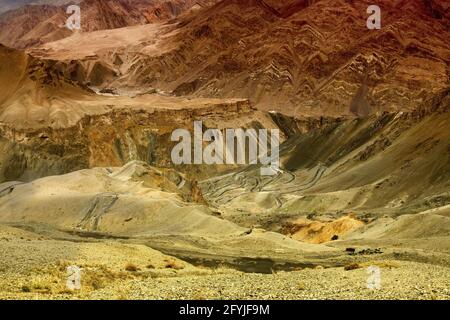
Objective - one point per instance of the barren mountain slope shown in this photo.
(17, 27)
(318, 59)
(41, 93)
(352, 172)
(32, 25)
(300, 57)
(86, 170)
(53, 125)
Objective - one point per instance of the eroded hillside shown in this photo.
(297, 57)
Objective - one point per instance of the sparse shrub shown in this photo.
(131, 267)
(97, 284)
(352, 266)
(65, 291)
(100, 276)
(25, 288)
(173, 264)
(150, 266)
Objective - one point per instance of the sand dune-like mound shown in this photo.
(110, 200)
(138, 202)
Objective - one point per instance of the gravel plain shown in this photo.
(34, 267)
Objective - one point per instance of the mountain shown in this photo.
(44, 22)
(299, 57)
(89, 119)
(6, 5)
(30, 25)
(307, 57)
